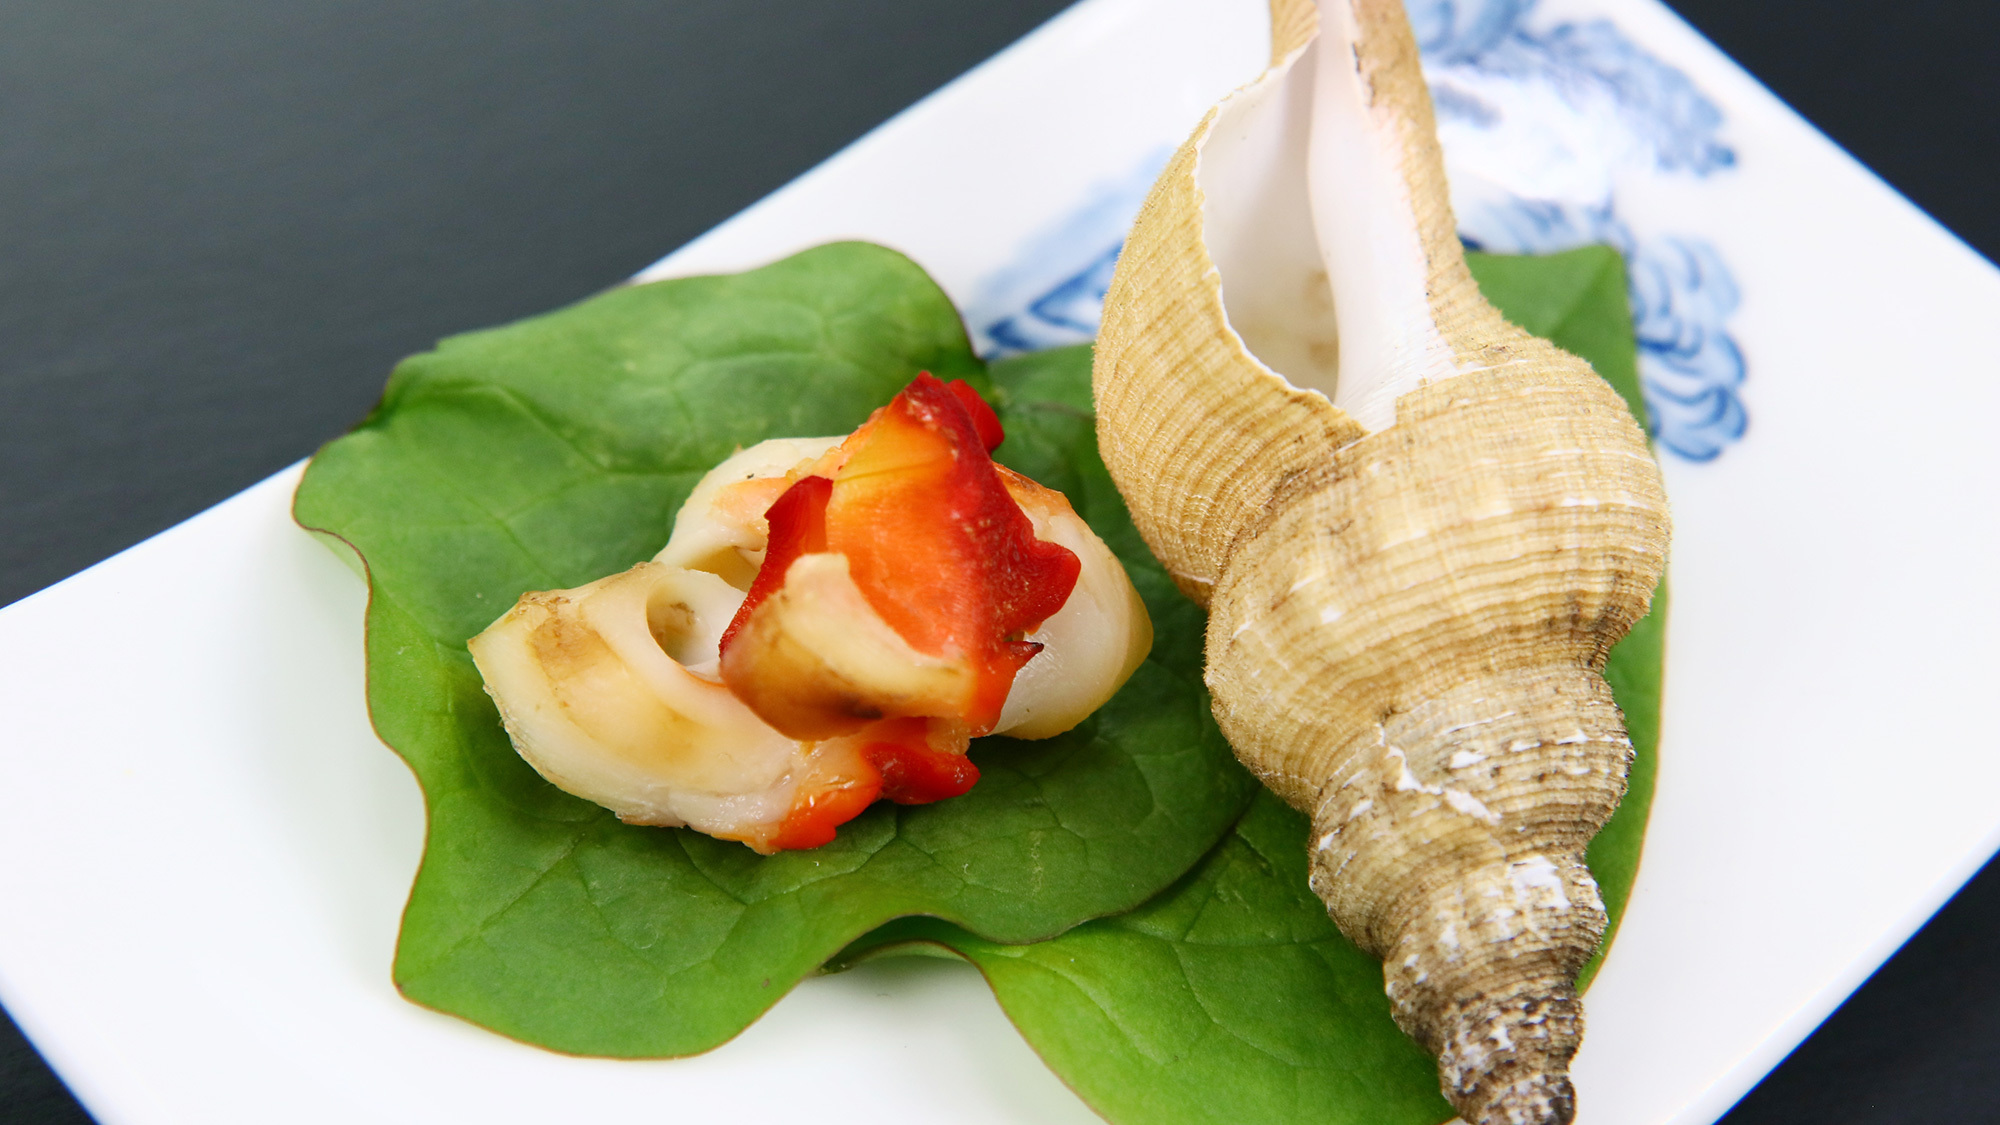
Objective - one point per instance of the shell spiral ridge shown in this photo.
(1409, 650)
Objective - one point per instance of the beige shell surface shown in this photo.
(1193, 454)
(1412, 594)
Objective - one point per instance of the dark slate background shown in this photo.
(222, 221)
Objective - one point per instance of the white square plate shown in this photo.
(204, 850)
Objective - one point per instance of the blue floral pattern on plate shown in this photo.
(1540, 126)
(1053, 292)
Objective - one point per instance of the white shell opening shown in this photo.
(1308, 218)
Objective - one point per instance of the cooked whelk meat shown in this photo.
(720, 527)
(1092, 645)
(615, 691)
(818, 661)
(900, 581)
(602, 690)
(1418, 530)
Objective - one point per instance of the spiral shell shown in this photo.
(1418, 529)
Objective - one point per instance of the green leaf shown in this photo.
(550, 452)
(1231, 998)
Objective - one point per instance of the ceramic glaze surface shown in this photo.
(242, 805)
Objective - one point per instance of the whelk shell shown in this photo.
(1418, 529)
